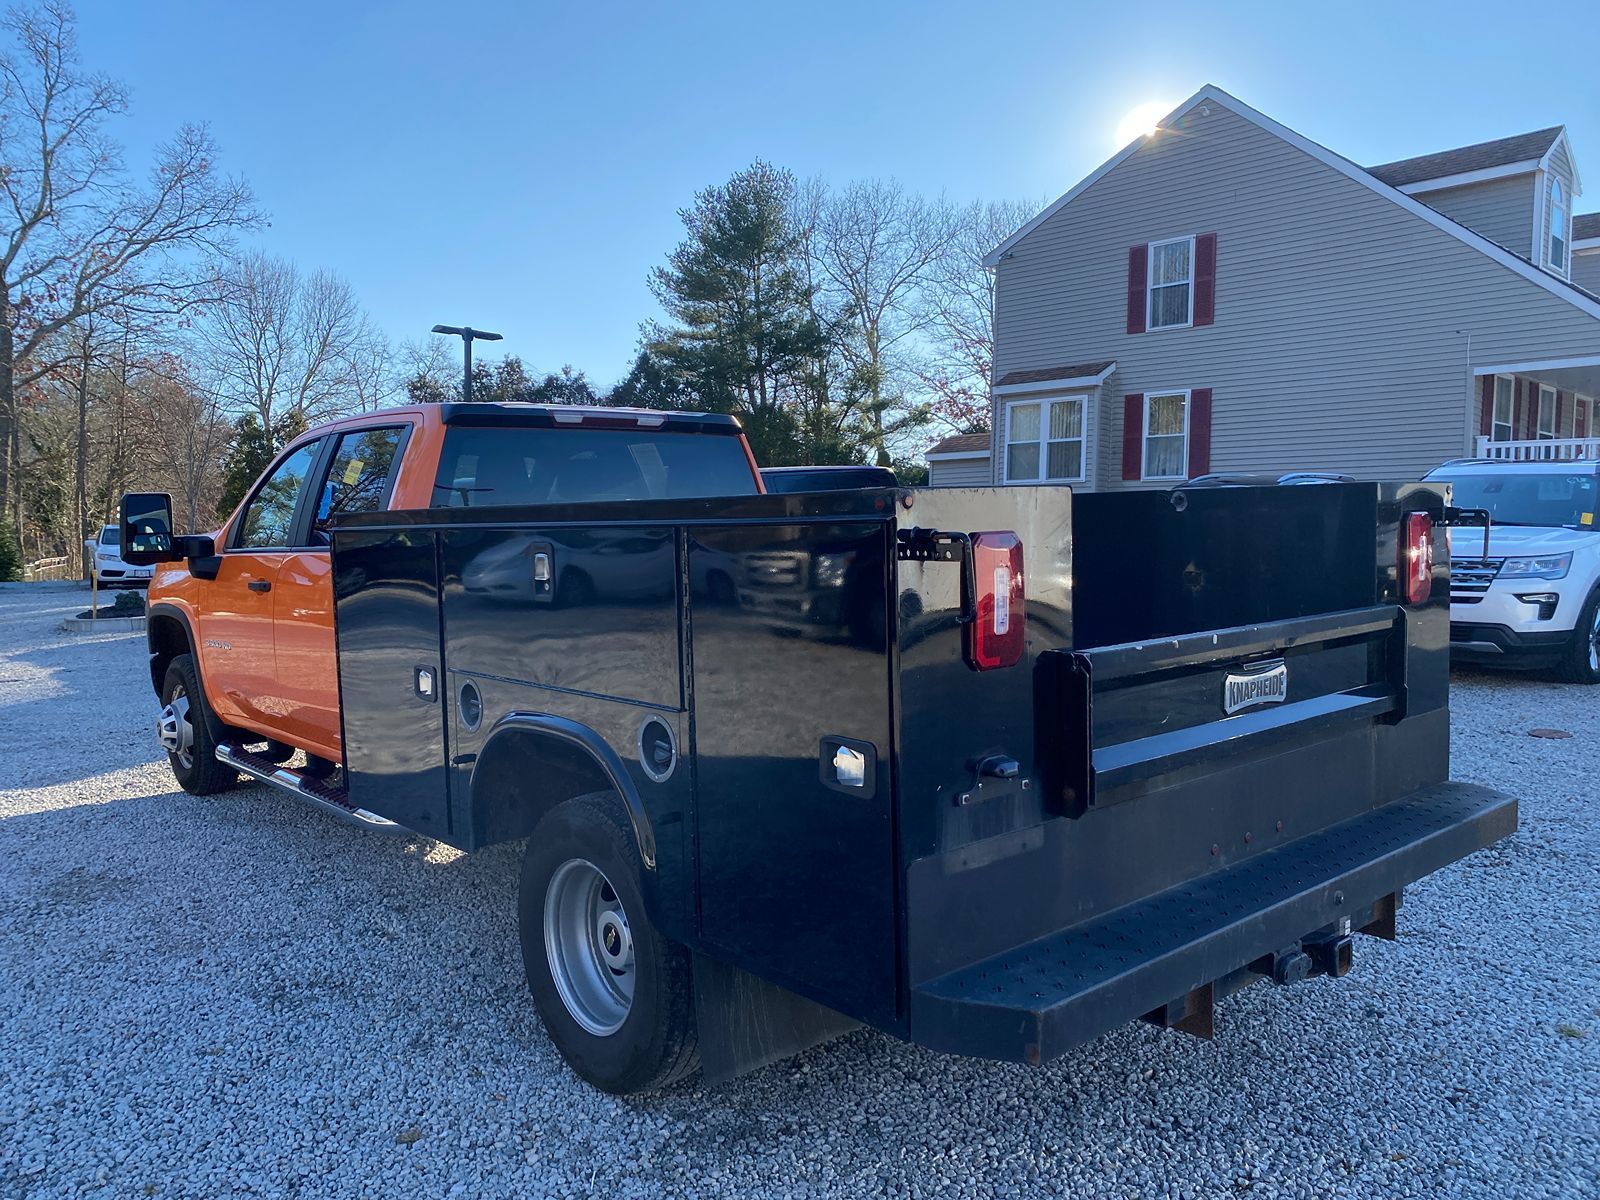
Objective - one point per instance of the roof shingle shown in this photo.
(961, 443)
(1051, 374)
(1524, 147)
(1585, 225)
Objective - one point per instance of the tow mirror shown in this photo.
(147, 536)
(147, 529)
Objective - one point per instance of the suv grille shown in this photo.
(1470, 578)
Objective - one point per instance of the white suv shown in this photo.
(105, 557)
(1533, 599)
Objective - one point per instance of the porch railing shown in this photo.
(1542, 450)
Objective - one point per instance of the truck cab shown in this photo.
(256, 612)
(1532, 599)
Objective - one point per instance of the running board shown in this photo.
(331, 800)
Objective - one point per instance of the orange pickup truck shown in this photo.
(243, 634)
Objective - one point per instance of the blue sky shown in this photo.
(520, 166)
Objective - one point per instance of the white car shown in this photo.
(105, 558)
(1534, 599)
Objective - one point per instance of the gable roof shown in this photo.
(1526, 148)
(1211, 94)
(961, 443)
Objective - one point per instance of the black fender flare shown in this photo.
(598, 749)
(161, 610)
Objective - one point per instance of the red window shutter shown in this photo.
(1199, 432)
(1205, 279)
(1519, 412)
(1138, 280)
(1561, 411)
(1488, 406)
(1133, 436)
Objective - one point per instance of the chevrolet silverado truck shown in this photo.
(1038, 764)
(1528, 596)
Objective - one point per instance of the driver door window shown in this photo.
(268, 520)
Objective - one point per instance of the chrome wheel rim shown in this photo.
(175, 731)
(589, 946)
(1594, 645)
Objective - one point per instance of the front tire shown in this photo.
(614, 994)
(188, 732)
(1580, 661)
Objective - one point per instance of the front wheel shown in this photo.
(188, 732)
(614, 995)
(1581, 659)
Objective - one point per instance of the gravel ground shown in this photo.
(239, 996)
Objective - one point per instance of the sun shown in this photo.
(1141, 120)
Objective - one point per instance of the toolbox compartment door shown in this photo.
(790, 662)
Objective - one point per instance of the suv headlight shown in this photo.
(1548, 566)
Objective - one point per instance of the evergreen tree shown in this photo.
(742, 337)
(253, 451)
(10, 552)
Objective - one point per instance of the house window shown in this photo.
(1171, 284)
(1547, 413)
(1558, 226)
(1166, 435)
(1501, 429)
(1044, 440)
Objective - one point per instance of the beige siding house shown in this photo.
(1225, 295)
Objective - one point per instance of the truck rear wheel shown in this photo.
(188, 732)
(1581, 659)
(614, 995)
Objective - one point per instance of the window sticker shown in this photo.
(1585, 518)
(353, 472)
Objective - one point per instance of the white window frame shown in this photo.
(1539, 432)
(1045, 441)
(1586, 403)
(1150, 285)
(1560, 209)
(1510, 423)
(1144, 433)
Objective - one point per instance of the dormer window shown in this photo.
(1559, 216)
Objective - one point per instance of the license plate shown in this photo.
(1255, 685)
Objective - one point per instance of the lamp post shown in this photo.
(467, 334)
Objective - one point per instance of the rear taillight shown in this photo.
(997, 632)
(1414, 573)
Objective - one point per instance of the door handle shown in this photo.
(260, 585)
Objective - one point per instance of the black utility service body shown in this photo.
(1222, 750)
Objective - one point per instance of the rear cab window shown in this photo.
(359, 476)
(482, 466)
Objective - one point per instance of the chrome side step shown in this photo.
(313, 791)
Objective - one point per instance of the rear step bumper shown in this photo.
(1039, 1000)
(315, 792)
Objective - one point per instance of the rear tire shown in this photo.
(614, 994)
(189, 732)
(1581, 660)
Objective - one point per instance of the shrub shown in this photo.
(10, 553)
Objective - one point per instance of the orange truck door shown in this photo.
(237, 657)
(357, 478)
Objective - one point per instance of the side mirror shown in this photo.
(147, 529)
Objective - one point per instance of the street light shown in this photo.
(467, 334)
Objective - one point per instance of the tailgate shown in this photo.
(1130, 718)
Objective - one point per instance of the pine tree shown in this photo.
(742, 338)
(10, 552)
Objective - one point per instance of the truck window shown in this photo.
(358, 476)
(268, 520)
(492, 465)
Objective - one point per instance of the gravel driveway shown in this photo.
(239, 996)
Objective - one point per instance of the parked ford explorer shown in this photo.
(1533, 600)
(990, 769)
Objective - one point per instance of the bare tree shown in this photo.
(958, 312)
(877, 247)
(77, 234)
(277, 341)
